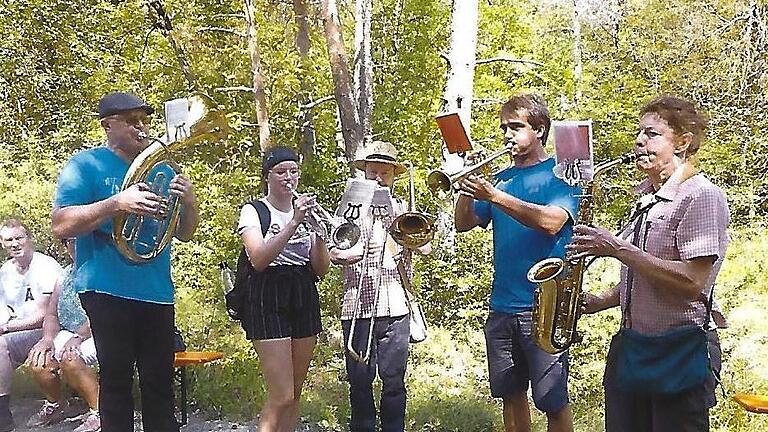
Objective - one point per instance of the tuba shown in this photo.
(140, 238)
(557, 300)
(412, 229)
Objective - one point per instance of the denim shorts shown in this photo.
(514, 360)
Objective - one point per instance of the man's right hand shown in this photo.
(41, 354)
(139, 199)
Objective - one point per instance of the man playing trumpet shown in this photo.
(391, 327)
(532, 212)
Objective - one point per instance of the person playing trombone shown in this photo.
(282, 314)
(532, 212)
(375, 258)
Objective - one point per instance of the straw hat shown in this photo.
(379, 151)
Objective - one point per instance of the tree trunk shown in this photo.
(363, 68)
(259, 96)
(458, 95)
(461, 70)
(337, 54)
(306, 122)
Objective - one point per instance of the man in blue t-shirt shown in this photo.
(130, 305)
(532, 213)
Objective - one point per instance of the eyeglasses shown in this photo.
(293, 172)
(133, 119)
(66, 241)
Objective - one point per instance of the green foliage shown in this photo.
(59, 57)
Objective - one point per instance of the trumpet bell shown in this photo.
(438, 181)
(346, 235)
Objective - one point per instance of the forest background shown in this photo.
(591, 59)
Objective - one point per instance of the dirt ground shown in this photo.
(24, 408)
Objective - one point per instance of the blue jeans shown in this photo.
(389, 354)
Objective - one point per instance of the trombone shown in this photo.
(439, 180)
(360, 356)
(412, 229)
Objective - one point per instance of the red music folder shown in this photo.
(454, 134)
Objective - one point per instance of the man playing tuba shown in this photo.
(130, 305)
(532, 212)
(374, 259)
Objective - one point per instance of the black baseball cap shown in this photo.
(117, 102)
(275, 155)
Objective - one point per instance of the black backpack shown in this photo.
(237, 298)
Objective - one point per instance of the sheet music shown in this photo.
(357, 199)
(381, 204)
(573, 151)
(176, 119)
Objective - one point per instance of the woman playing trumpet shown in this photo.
(282, 316)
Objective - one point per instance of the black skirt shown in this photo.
(282, 303)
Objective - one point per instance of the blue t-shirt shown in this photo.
(94, 175)
(517, 247)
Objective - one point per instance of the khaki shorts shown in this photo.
(20, 343)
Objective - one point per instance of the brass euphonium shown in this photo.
(412, 229)
(557, 301)
(140, 238)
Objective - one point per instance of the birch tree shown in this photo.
(460, 73)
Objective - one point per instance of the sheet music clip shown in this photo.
(381, 205)
(177, 115)
(357, 199)
(573, 151)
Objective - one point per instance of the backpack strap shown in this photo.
(265, 217)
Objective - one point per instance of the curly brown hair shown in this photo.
(681, 115)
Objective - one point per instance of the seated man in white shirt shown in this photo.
(26, 283)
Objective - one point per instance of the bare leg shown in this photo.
(276, 365)
(48, 380)
(302, 355)
(517, 415)
(83, 380)
(561, 421)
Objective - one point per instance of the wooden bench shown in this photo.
(753, 403)
(180, 362)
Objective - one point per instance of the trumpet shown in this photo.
(412, 229)
(341, 232)
(439, 180)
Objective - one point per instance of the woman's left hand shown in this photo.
(592, 241)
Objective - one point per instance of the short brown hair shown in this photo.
(535, 109)
(15, 223)
(681, 115)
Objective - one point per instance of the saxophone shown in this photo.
(557, 301)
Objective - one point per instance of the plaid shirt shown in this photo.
(689, 220)
(392, 301)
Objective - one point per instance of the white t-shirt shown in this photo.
(296, 251)
(19, 291)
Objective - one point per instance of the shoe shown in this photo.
(92, 423)
(49, 414)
